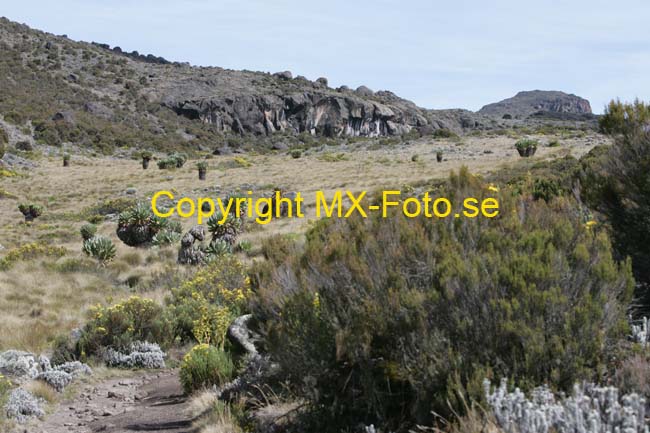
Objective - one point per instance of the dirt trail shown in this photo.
(148, 402)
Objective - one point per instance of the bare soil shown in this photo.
(148, 402)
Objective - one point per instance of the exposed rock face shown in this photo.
(319, 112)
(523, 104)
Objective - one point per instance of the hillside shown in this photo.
(61, 91)
(527, 103)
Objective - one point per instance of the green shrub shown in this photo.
(221, 283)
(110, 206)
(5, 387)
(244, 246)
(554, 143)
(100, 248)
(296, 153)
(138, 225)
(545, 189)
(175, 160)
(88, 231)
(205, 366)
(624, 118)
(135, 319)
(615, 183)
(444, 133)
(384, 320)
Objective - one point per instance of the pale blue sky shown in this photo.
(438, 54)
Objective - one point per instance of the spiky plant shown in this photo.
(30, 211)
(166, 237)
(100, 248)
(526, 147)
(226, 231)
(203, 169)
(146, 157)
(218, 248)
(88, 231)
(138, 225)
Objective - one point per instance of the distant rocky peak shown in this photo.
(526, 103)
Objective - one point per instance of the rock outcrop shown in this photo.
(318, 111)
(524, 104)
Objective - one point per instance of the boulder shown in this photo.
(285, 75)
(322, 82)
(64, 116)
(364, 91)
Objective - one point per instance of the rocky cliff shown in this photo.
(524, 104)
(294, 106)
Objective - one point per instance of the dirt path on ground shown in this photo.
(148, 402)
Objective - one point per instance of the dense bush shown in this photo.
(175, 160)
(121, 325)
(385, 320)
(203, 307)
(100, 248)
(138, 225)
(444, 133)
(616, 182)
(205, 366)
(624, 118)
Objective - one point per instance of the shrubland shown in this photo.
(387, 321)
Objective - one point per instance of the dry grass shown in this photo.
(42, 390)
(215, 416)
(44, 297)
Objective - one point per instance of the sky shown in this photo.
(439, 54)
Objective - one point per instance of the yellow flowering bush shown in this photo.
(204, 306)
(117, 326)
(205, 366)
(30, 251)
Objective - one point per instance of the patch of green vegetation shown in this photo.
(394, 316)
(333, 157)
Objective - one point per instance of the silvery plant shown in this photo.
(640, 332)
(590, 409)
(22, 405)
(141, 355)
(62, 375)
